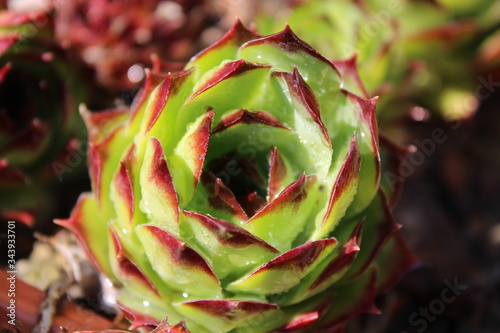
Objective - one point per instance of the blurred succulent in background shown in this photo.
(117, 38)
(241, 194)
(39, 124)
(424, 54)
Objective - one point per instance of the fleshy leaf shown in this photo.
(221, 242)
(306, 320)
(127, 271)
(285, 271)
(224, 195)
(164, 327)
(232, 78)
(343, 191)
(92, 232)
(189, 156)
(307, 123)
(186, 269)
(326, 273)
(145, 312)
(140, 103)
(159, 198)
(102, 170)
(123, 195)
(335, 268)
(369, 150)
(305, 97)
(282, 220)
(162, 108)
(285, 50)
(243, 116)
(223, 316)
(223, 49)
(278, 174)
(156, 103)
(101, 124)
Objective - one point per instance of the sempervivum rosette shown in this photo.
(39, 96)
(241, 194)
(111, 36)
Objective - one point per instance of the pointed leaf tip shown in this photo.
(277, 174)
(281, 221)
(336, 268)
(101, 124)
(228, 233)
(244, 116)
(306, 97)
(124, 193)
(352, 244)
(235, 37)
(165, 327)
(191, 151)
(226, 71)
(137, 319)
(98, 156)
(126, 269)
(226, 196)
(348, 70)
(289, 42)
(152, 80)
(153, 112)
(301, 322)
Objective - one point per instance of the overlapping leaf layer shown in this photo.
(241, 194)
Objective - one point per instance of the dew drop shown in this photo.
(143, 205)
(419, 114)
(135, 73)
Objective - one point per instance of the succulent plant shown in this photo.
(112, 36)
(241, 194)
(395, 43)
(39, 123)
